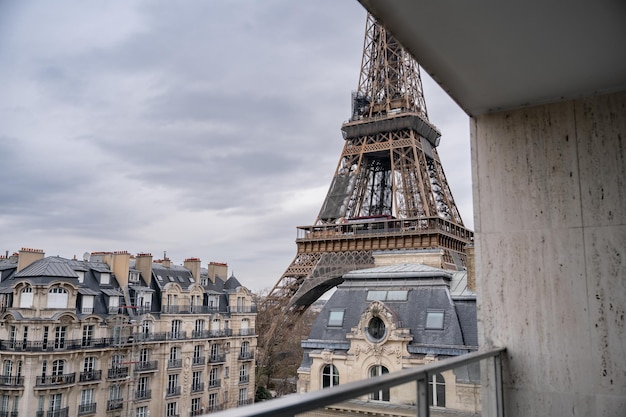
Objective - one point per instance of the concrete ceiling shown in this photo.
(493, 55)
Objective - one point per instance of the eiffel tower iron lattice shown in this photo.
(389, 190)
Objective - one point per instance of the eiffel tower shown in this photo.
(389, 190)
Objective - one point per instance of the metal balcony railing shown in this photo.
(174, 363)
(217, 358)
(95, 375)
(244, 356)
(290, 405)
(197, 387)
(62, 412)
(214, 383)
(115, 404)
(86, 409)
(144, 394)
(53, 380)
(147, 366)
(198, 360)
(118, 372)
(11, 381)
(173, 391)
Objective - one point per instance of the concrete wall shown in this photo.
(550, 190)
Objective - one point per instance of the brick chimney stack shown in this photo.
(143, 263)
(193, 264)
(218, 269)
(27, 256)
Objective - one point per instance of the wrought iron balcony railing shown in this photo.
(147, 366)
(198, 360)
(95, 375)
(11, 381)
(84, 409)
(54, 380)
(144, 394)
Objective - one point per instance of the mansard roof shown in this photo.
(52, 267)
(173, 274)
(410, 291)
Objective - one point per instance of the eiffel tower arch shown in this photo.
(389, 190)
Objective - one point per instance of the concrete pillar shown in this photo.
(549, 197)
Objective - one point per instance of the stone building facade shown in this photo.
(119, 335)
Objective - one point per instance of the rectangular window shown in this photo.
(59, 337)
(87, 307)
(376, 295)
(115, 392)
(434, 319)
(88, 335)
(212, 401)
(335, 318)
(171, 409)
(24, 337)
(89, 364)
(391, 295)
(105, 278)
(195, 406)
(86, 396)
(243, 395)
(141, 412)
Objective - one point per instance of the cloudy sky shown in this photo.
(201, 128)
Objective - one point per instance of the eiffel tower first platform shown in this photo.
(389, 191)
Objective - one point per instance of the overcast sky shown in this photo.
(206, 129)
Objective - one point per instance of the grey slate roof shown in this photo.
(427, 289)
(48, 267)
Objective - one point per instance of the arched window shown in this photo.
(57, 297)
(380, 395)
(26, 297)
(438, 390)
(330, 376)
(244, 352)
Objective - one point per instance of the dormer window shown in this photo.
(214, 302)
(87, 307)
(133, 276)
(81, 276)
(105, 278)
(114, 304)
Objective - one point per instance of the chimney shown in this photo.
(193, 264)
(120, 265)
(218, 269)
(471, 267)
(27, 256)
(143, 263)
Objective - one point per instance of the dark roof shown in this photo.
(232, 283)
(48, 267)
(173, 274)
(427, 289)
